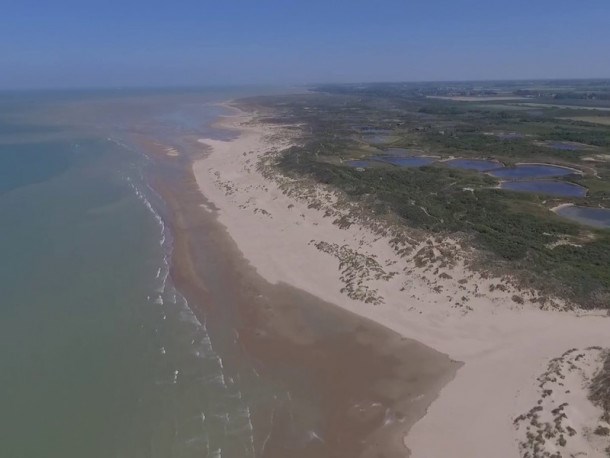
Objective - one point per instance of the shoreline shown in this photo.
(289, 241)
(355, 386)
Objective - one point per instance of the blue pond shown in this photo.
(408, 161)
(473, 164)
(552, 188)
(361, 163)
(564, 146)
(531, 171)
(596, 217)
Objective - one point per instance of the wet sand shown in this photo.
(355, 388)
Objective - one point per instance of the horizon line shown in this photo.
(310, 84)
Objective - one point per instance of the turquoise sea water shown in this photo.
(76, 270)
(101, 355)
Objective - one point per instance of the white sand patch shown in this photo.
(560, 206)
(563, 422)
(597, 158)
(172, 152)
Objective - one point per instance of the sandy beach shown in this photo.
(322, 381)
(504, 336)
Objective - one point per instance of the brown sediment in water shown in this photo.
(355, 387)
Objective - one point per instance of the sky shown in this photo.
(95, 43)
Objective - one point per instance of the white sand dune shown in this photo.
(505, 345)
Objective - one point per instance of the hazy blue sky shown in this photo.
(50, 43)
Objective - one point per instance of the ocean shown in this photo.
(102, 356)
